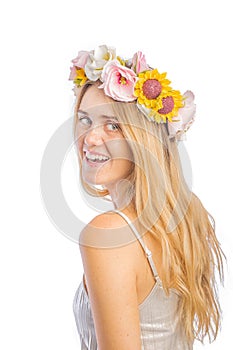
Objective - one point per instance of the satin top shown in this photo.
(160, 326)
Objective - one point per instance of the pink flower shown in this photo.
(118, 81)
(73, 73)
(81, 60)
(186, 116)
(139, 63)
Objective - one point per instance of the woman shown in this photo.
(149, 265)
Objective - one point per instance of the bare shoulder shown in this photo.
(108, 219)
(107, 230)
(110, 275)
(108, 247)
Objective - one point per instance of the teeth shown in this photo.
(95, 157)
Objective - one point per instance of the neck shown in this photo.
(121, 195)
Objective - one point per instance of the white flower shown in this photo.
(97, 60)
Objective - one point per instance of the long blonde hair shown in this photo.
(166, 207)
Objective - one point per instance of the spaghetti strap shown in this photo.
(147, 251)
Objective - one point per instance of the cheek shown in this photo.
(126, 153)
(79, 146)
(80, 131)
(119, 148)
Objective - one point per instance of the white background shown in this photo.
(191, 40)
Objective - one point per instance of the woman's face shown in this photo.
(99, 133)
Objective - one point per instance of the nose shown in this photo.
(94, 136)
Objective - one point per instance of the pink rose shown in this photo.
(118, 81)
(81, 60)
(184, 119)
(139, 63)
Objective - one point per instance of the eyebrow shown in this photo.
(101, 116)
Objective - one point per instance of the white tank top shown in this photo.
(160, 325)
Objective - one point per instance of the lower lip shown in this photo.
(94, 164)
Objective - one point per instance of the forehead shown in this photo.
(94, 100)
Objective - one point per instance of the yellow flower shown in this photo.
(159, 118)
(81, 77)
(153, 91)
(171, 102)
(149, 86)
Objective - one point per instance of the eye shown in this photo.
(114, 126)
(84, 120)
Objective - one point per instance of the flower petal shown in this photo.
(185, 118)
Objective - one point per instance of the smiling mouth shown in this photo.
(96, 160)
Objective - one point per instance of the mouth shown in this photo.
(95, 161)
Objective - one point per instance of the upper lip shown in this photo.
(95, 153)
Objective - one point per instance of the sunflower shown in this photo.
(81, 77)
(149, 86)
(171, 102)
(153, 91)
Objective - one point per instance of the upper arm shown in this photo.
(111, 280)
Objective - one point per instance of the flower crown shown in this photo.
(134, 80)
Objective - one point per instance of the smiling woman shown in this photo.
(149, 265)
(105, 153)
